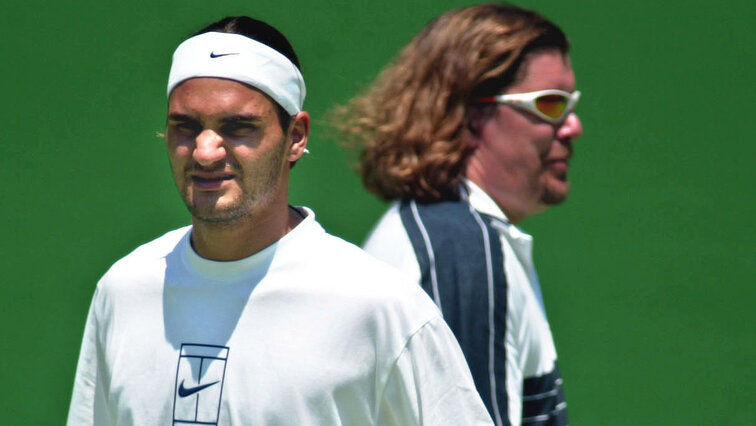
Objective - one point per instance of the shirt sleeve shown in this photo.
(431, 384)
(88, 404)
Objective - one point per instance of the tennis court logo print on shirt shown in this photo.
(199, 384)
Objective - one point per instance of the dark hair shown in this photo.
(265, 34)
(410, 124)
(256, 30)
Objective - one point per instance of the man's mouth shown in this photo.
(210, 181)
(558, 162)
(558, 167)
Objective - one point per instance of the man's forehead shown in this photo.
(218, 97)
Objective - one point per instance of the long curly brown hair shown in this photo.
(411, 121)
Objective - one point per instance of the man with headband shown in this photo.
(254, 315)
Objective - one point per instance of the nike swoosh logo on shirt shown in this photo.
(214, 55)
(184, 392)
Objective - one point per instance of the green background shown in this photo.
(648, 269)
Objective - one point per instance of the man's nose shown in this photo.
(571, 129)
(209, 148)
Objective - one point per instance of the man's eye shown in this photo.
(188, 128)
(238, 129)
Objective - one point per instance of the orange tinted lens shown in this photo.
(551, 105)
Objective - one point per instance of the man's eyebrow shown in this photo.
(180, 117)
(252, 118)
(241, 118)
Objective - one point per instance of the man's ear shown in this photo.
(476, 118)
(299, 130)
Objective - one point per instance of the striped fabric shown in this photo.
(543, 401)
(460, 257)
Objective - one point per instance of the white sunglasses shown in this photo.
(550, 105)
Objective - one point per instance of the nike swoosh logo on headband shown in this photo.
(214, 55)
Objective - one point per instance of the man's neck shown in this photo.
(242, 237)
(509, 203)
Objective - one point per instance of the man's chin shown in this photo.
(214, 214)
(555, 194)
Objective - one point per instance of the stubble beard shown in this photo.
(224, 217)
(248, 202)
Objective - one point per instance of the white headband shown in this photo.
(242, 59)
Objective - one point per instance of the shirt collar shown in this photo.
(483, 203)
